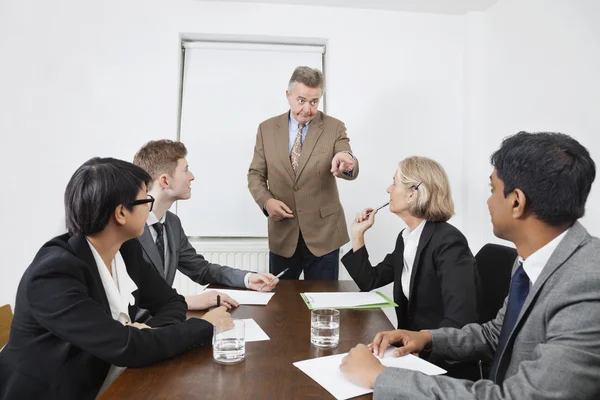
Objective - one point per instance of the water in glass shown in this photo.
(325, 328)
(229, 345)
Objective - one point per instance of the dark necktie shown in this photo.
(160, 240)
(519, 289)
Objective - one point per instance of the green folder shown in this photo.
(386, 303)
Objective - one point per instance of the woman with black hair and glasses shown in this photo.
(72, 334)
(434, 273)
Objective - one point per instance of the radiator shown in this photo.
(251, 254)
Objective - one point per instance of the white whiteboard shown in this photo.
(228, 89)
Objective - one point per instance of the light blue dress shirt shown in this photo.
(293, 131)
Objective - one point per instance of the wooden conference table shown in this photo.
(267, 372)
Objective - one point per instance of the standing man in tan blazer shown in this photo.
(292, 177)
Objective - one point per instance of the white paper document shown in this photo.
(254, 332)
(343, 299)
(247, 297)
(326, 372)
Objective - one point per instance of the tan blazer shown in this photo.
(311, 193)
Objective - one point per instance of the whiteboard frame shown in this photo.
(231, 42)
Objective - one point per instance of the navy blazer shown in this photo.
(63, 338)
(444, 284)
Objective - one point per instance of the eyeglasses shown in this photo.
(150, 200)
(416, 187)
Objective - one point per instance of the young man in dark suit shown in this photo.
(164, 241)
(72, 331)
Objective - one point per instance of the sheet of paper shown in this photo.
(254, 332)
(343, 299)
(247, 297)
(326, 372)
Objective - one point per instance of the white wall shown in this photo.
(540, 61)
(82, 78)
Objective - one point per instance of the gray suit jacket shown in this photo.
(183, 257)
(553, 351)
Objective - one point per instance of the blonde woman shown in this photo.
(434, 273)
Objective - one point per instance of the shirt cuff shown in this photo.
(349, 173)
(247, 280)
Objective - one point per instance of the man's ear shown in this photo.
(120, 215)
(519, 203)
(163, 181)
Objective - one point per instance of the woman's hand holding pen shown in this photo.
(363, 221)
(208, 299)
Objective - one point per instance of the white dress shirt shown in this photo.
(411, 243)
(535, 263)
(118, 288)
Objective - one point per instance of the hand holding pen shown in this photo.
(364, 220)
(273, 279)
(377, 209)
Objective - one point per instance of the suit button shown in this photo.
(296, 188)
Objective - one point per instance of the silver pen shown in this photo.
(277, 276)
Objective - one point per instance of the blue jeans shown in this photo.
(325, 268)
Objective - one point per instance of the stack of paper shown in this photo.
(346, 300)
(247, 297)
(326, 372)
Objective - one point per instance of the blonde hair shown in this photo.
(159, 157)
(432, 188)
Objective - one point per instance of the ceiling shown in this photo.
(453, 7)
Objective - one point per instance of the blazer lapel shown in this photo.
(172, 267)
(282, 140)
(82, 250)
(399, 297)
(423, 241)
(315, 129)
(150, 248)
(570, 243)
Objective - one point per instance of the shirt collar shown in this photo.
(295, 123)
(120, 295)
(416, 234)
(152, 219)
(535, 263)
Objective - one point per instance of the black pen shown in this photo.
(218, 301)
(378, 208)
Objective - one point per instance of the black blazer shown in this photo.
(63, 338)
(444, 285)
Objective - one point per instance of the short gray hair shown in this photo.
(311, 77)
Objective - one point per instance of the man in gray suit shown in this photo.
(164, 241)
(545, 341)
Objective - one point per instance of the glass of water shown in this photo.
(325, 327)
(229, 341)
